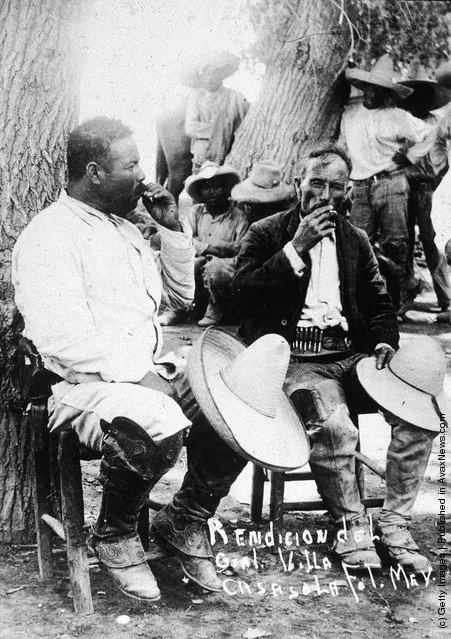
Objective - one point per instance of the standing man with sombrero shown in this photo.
(423, 178)
(312, 277)
(375, 134)
(214, 112)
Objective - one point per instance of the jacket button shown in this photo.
(284, 322)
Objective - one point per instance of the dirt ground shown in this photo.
(295, 590)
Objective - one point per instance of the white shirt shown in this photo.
(322, 306)
(372, 136)
(89, 289)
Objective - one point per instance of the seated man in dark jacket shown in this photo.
(312, 277)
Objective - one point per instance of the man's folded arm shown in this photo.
(261, 277)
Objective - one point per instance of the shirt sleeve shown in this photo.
(50, 293)
(296, 262)
(177, 265)
(194, 127)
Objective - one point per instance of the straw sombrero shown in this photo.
(209, 170)
(263, 185)
(427, 95)
(240, 392)
(223, 63)
(382, 75)
(411, 385)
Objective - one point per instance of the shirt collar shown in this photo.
(86, 212)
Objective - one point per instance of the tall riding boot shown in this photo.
(333, 438)
(407, 458)
(132, 463)
(182, 525)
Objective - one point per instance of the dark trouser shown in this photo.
(322, 394)
(379, 207)
(419, 212)
(212, 465)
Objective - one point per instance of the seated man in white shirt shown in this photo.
(310, 276)
(89, 291)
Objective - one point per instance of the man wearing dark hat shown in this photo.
(218, 230)
(423, 177)
(263, 192)
(312, 277)
(214, 112)
(375, 134)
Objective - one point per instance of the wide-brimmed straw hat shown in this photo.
(263, 185)
(209, 170)
(382, 75)
(223, 63)
(427, 94)
(240, 391)
(411, 386)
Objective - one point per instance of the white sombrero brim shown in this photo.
(278, 443)
(400, 398)
(357, 77)
(247, 191)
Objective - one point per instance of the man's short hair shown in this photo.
(325, 154)
(91, 141)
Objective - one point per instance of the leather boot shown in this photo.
(188, 540)
(130, 466)
(407, 457)
(334, 438)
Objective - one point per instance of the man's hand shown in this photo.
(383, 355)
(155, 382)
(313, 228)
(401, 159)
(162, 206)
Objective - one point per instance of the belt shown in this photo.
(310, 344)
(382, 175)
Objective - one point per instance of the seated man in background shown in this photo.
(312, 277)
(218, 231)
(89, 290)
(263, 193)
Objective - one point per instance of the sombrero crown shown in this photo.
(240, 391)
(411, 386)
(382, 75)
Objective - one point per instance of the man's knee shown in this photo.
(127, 447)
(319, 404)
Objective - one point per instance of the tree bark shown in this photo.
(40, 53)
(303, 90)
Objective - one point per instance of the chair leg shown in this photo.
(73, 520)
(42, 493)
(258, 486)
(276, 498)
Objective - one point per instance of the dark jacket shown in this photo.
(270, 297)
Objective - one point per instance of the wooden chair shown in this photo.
(277, 480)
(57, 470)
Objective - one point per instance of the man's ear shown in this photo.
(297, 187)
(95, 172)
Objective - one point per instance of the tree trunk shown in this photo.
(39, 50)
(307, 45)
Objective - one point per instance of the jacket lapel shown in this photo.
(347, 262)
